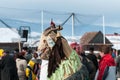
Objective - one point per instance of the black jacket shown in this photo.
(93, 58)
(8, 68)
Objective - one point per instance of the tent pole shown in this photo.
(73, 24)
(103, 29)
(42, 21)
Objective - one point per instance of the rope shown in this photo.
(7, 26)
(66, 20)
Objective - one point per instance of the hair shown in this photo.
(91, 49)
(22, 53)
(16, 50)
(57, 54)
(25, 48)
(35, 55)
(105, 49)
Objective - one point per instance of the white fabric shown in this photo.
(21, 66)
(50, 42)
(44, 68)
(111, 73)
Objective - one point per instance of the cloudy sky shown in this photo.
(109, 8)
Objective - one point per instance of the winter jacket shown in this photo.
(21, 67)
(29, 71)
(93, 58)
(8, 68)
(105, 61)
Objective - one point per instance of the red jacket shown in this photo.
(106, 60)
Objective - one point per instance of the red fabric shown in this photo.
(107, 60)
(52, 23)
(73, 45)
(76, 46)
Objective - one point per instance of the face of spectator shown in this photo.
(78, 49)
(35, 55)
(101, 54)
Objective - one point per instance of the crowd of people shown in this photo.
(104, 65)
(25, 65)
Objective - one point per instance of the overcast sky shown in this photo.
(109, 8)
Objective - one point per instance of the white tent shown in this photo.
(8, 35)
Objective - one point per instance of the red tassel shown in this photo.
(52, 23)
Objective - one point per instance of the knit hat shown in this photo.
(74, 44)
(1, 52)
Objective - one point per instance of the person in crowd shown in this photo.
(0, 69)
(35, 56)
(28, 54)
(118, 66)
(91, 56)
(21, 66)
(32, 70)
(113, 52)
(1, 53)
(88, 63)
(105, 63)
(8, 67)
(37, 60)
(15, 52)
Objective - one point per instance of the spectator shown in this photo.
(1, 53)
(113, 53)
(28, 54)
(91, 56)
(105, 65)
(37, 60)
(21, 66)
(88, 63)
(118, 65)
(85, 61)
(32, 70)
(35, 56)
(8, 67)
